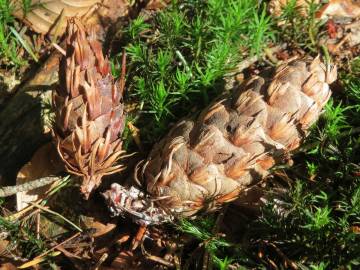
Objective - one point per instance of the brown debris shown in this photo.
(50, 17)
(44, 162)
(340, 8)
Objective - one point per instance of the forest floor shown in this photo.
(180, 56)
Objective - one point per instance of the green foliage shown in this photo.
(299, 30)
(22, 238)
(26, 5)
(335, 120)
(8, 44)
(312, 168)
(177, 64)
(10, 39)
(214, 244)
(201, 230)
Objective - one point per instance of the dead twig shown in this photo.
(287, 262)
(68, 254)
(160, 260)
(12, 190)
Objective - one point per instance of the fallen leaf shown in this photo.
(100, 228)
(45, 162)
(340, 8)
(50, 17)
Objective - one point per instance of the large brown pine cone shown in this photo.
(232, 144)
(89, 112)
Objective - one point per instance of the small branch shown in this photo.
(160, 260)
(12, 190)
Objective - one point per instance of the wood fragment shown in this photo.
(12, 190)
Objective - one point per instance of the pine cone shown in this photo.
(232, 144)
(89, 113)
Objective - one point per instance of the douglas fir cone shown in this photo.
(205, 162)
(89, 112)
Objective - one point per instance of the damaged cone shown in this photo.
(89, 113)
(205, 162)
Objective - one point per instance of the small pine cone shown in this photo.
(89, 113)
(232, 144)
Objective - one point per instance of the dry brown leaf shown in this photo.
(7, 266)
(340, 8)
(44, 162)
(101, 228)
(50, 16)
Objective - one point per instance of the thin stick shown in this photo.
(57, 214)
(160, 260)
(38, 224)
(290, 263)
(61, 50)
(123, 73)
(12, 190)
(156, 258)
